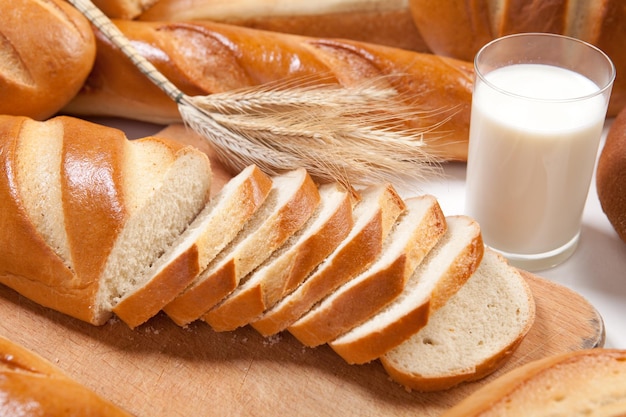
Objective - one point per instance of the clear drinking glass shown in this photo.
(538, 110)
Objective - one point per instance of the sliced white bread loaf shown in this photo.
(440, 275)
(106, 208)
(414, 234)
(290, 264)
(292, 200)
(588, 382)
(472, 335)
(216, 225)
(167, 211)
(374, 216)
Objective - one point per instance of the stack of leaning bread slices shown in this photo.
(371, 274)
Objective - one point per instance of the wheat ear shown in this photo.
(354, 135)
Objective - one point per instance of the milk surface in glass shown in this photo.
(539, 147)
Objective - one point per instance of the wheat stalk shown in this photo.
(354, 135)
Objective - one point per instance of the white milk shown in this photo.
(530, 161)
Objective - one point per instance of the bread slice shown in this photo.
(290, 264)
(126, 287)
(472, 335)
(440, 275)
(415, 233)
(290, 203)
(374, 216)
(216, 225)
(590, 382)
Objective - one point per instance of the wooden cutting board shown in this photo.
(160, 369)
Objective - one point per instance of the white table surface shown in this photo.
(597, 270)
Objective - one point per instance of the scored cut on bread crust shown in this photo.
(215, 226)
(374, 216)
(290, 203)
(589, 382)
(440, 275)
(290, 264)
(415, 232)
(472, 335)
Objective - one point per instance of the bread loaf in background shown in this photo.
(31, 386)
(611, 175)
(205, 58)
(458, 28)
(47, 49)
(384, 22)
(124, 9)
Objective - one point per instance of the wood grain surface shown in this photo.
(160, 369)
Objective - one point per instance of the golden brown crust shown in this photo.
(386, 23)
(363, 300)
(462, 27)
(349, 260)
(32, 386)
(585, 368)
(375, 344)
(124, 9)
(611, 175)
(254, 300)
(204, 58)
(47, 49)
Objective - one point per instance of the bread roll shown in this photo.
(460, 28)
(47, 49)
(611, 175)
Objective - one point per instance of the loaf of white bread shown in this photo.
(47, 50)
(203, 58)
(96, 225)
(31, 386)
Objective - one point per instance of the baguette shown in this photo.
(38, 73)
(466, 340)
(460, 28)
(374, 216)
(384, 22)
(588, 382)
(91, 209)
(203, 58)
(31, 386)
(290, 203)
(439, 276)
(290, 264)
(416, 231)
(611, 176)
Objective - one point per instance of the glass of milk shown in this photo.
(538, 110)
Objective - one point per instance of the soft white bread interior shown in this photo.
(290, 203)
(440, 275)
(471, 335)
(94, 214)
(413, 235)
(579, 383)
(374, 217)
(215, 226)
(290, 264)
